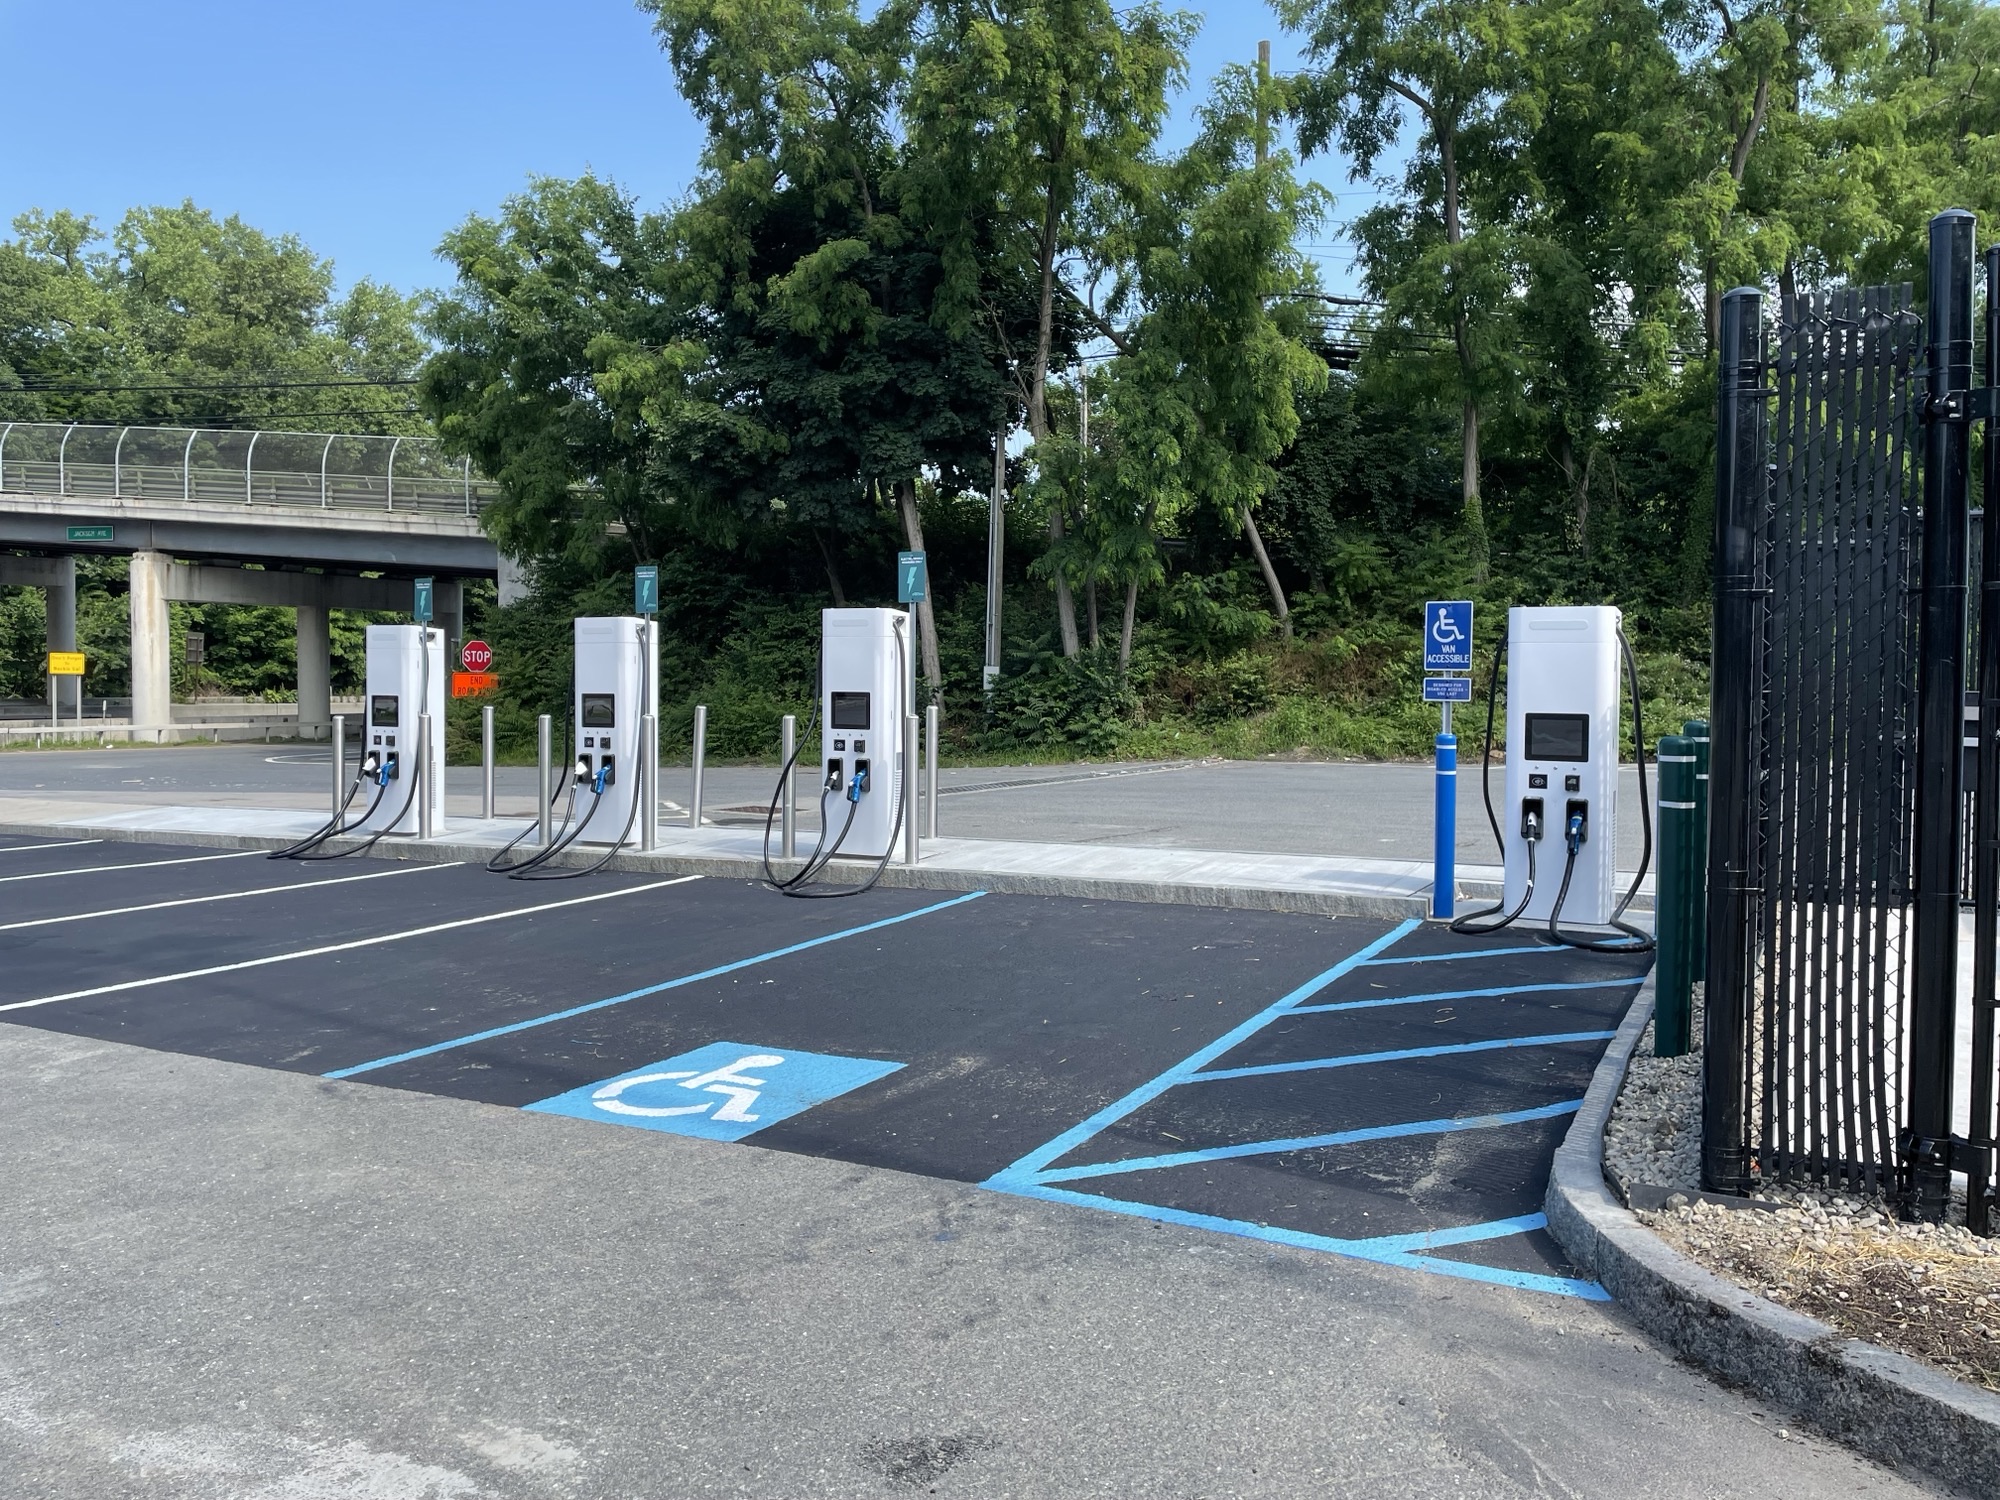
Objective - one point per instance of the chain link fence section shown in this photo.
(305, 470)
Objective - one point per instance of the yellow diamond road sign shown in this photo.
(65, 664)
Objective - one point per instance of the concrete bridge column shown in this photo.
(315, 672)
(152, 670)
(60, 596)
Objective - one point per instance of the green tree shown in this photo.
(1450, 64)
(1022, 113)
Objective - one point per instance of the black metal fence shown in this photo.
(1838, 837)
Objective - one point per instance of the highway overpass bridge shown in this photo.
(306, 521)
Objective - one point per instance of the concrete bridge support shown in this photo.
(156, 579)
(152, 646)
(56, 578)
(315, 672)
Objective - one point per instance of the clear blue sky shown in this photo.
(369, 128)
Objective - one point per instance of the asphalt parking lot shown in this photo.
(1382, 1091)
(399, 1180)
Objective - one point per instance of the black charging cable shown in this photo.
(801, 884)
(1472, 923)
(336, 825)
(1637, 939)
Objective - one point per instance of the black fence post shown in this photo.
(1741, 482)
(1940, 718)
(1986, 804)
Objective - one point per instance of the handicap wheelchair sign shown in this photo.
(1448, 635)
(722, 1092)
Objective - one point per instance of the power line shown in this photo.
(71, 388)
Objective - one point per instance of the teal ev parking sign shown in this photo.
(912, 578)
(420, 607)
(646, 590)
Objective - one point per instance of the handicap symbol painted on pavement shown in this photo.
(722, 1092)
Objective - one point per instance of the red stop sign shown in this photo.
(476, 655)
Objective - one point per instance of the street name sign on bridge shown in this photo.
(88, 533)
(1448, 635)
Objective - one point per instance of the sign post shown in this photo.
(1447, 649)
(65, 664)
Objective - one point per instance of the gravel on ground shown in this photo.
(1927, 1290)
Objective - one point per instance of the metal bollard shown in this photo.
(543, 799)
(486, 762)
(700, 755)
(1673, 896)
(930, 771)
(649, 784)
(788, 804)
(909, 789)
(1696, 731)
(339, 737)
(426, 814)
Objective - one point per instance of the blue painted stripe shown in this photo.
(1380, 1253)
(1305, 1143)
(1076, 1135)
(1361, 1059)
(1447, 958)
(1462, 1234)
(651, 989)
(1505, 989)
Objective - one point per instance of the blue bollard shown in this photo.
(1444, 850)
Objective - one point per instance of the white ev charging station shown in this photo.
(617, 696)
(864, 694)
(406, 680)
(1562, 761)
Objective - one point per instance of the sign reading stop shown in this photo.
(476, 655)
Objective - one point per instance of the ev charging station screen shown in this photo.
(382, 710)
(598, 712)
(1558, 736)
(850, 710)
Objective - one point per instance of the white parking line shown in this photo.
(147, 864)
(67, 844)
(268, 890)
(392, 937)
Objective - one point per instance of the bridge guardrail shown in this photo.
(258, 467)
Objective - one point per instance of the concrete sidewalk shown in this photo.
(1316, 885)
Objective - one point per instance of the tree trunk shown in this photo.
(1270, 573)
(913, 529)
(1090, 608)
(1475, 509)
(1475, 512)
(1125, 631)
(832, 572)
(1038, 396)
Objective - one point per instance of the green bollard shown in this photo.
(1697, 731)
(1673, 892)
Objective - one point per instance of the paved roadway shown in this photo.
(1353, 809)
(323, 1181)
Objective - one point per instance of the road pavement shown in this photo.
(1351, 809)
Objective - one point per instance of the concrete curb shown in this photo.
(895, 876)
(1887, 1405)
